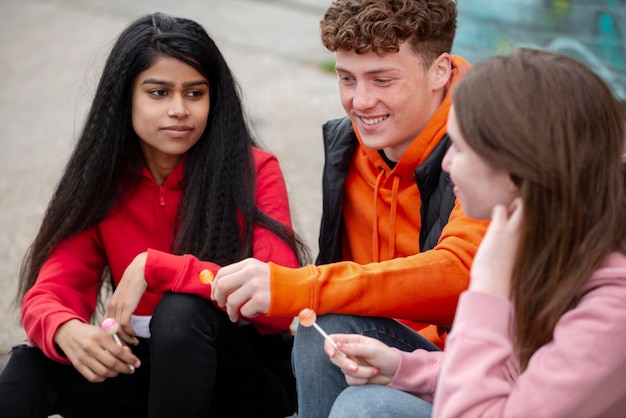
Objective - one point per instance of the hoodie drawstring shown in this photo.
(375, 226)
(392, 221)
(392, 215)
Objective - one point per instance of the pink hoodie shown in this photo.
(580, 373)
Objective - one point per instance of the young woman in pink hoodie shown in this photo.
(537, 147)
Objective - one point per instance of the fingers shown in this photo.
(127, 334)
(366, 360)
(355, 371)
(349, 359)
(119, 359)
(245, 302)
(98, 363)
(220, 288)
(124, 331)
(243, 288)
(93, 352)
(250, 300)
(516, 209)
(127, 295)
(233, 312)
(362, 376)
(500, 214)
(122, 313)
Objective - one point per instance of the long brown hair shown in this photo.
(558, 129)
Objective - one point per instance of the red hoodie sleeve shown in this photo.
(66, 288)
(165, 272)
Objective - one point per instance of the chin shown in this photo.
(481, 216)
(475, 213)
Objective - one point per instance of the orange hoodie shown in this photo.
(384, 273)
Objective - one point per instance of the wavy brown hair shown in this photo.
(382, 25)
(558, 129)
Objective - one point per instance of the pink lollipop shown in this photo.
(110, 326)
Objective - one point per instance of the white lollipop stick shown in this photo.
(307, 318)
(321, 331)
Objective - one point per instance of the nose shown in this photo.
(447, 159)
(178, 108)
(363, 97)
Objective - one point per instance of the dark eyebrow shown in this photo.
(373, 71)
(170, 84)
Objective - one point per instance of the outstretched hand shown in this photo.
(243, 288)
(366, 361)
(126, 297)
(492, 268)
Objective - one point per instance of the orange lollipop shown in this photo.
(206, 276)
(307, 318)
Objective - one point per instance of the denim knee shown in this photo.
(377, 401)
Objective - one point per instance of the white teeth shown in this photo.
(374, 120)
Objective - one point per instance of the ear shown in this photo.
(441, 70)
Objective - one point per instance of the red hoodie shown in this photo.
(68, 282)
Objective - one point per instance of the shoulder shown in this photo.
(614, 265)
(261, 156)
(610, 276)
(266, 166)
(336, 129)
(339, 138)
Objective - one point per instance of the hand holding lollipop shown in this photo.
(110, 326)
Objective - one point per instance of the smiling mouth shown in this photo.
(373, 121)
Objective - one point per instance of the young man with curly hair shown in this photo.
(395, 246)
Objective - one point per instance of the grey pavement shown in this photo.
(52, 52)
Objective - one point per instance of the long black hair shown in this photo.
(219, 181)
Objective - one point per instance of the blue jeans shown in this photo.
(318, 381)
(196, 364)
(375, 401)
